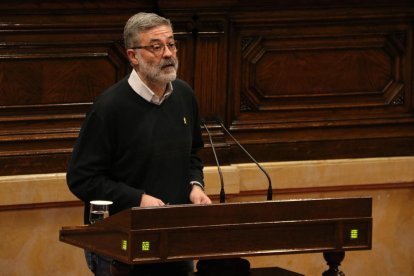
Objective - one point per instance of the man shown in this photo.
(137, 146)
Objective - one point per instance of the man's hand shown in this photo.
(147, 201)
(197, 196)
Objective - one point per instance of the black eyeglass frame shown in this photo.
(172, 46)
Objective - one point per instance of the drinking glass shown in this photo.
(99, 210)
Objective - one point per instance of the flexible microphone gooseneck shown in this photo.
(269, 189)
(222, 193)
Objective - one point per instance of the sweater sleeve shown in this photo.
(88, 174)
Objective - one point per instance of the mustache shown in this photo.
(168, 62)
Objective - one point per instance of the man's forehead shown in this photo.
(158, 33)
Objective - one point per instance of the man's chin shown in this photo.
(169, 77)
(162, 76)
(169, 70)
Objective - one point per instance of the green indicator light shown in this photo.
(354, 234)
(124, 245)
(146, 246)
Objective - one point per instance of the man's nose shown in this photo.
(167, 52)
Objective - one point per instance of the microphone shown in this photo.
(269, 189)
(222, 193)
(226, 266)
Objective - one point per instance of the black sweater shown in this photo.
(128, 146)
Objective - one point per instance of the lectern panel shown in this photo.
(162, 234)
(253, 239)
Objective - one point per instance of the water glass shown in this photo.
(99, 210)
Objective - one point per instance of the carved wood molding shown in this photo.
(319, 76)
(321, 73)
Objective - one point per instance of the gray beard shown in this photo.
(155, 73)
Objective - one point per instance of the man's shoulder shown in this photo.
(121, 85)
(113, 96)
(114, 90)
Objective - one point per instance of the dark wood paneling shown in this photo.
(55, 58)
(313, 86)
(293, 80)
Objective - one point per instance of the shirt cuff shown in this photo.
(198, 184)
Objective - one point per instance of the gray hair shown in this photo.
(139, 23)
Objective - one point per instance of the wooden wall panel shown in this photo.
(334, 86)
(293, 80)
(344, 70)
(55, 58)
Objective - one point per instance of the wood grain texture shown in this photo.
(293, 81)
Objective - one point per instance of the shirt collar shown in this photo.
(145, 92)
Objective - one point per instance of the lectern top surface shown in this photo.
(242, 212)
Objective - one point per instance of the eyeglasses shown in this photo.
(158, 48)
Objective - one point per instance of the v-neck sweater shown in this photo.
(128, 146)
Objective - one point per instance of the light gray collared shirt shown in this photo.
(145, 92)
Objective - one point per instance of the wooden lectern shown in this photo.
(182, 232)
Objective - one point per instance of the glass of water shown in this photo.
(99, 210)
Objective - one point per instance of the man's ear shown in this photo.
(132, 56)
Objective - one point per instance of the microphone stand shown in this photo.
(226, 266)
(222, 193)
(269, 189)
